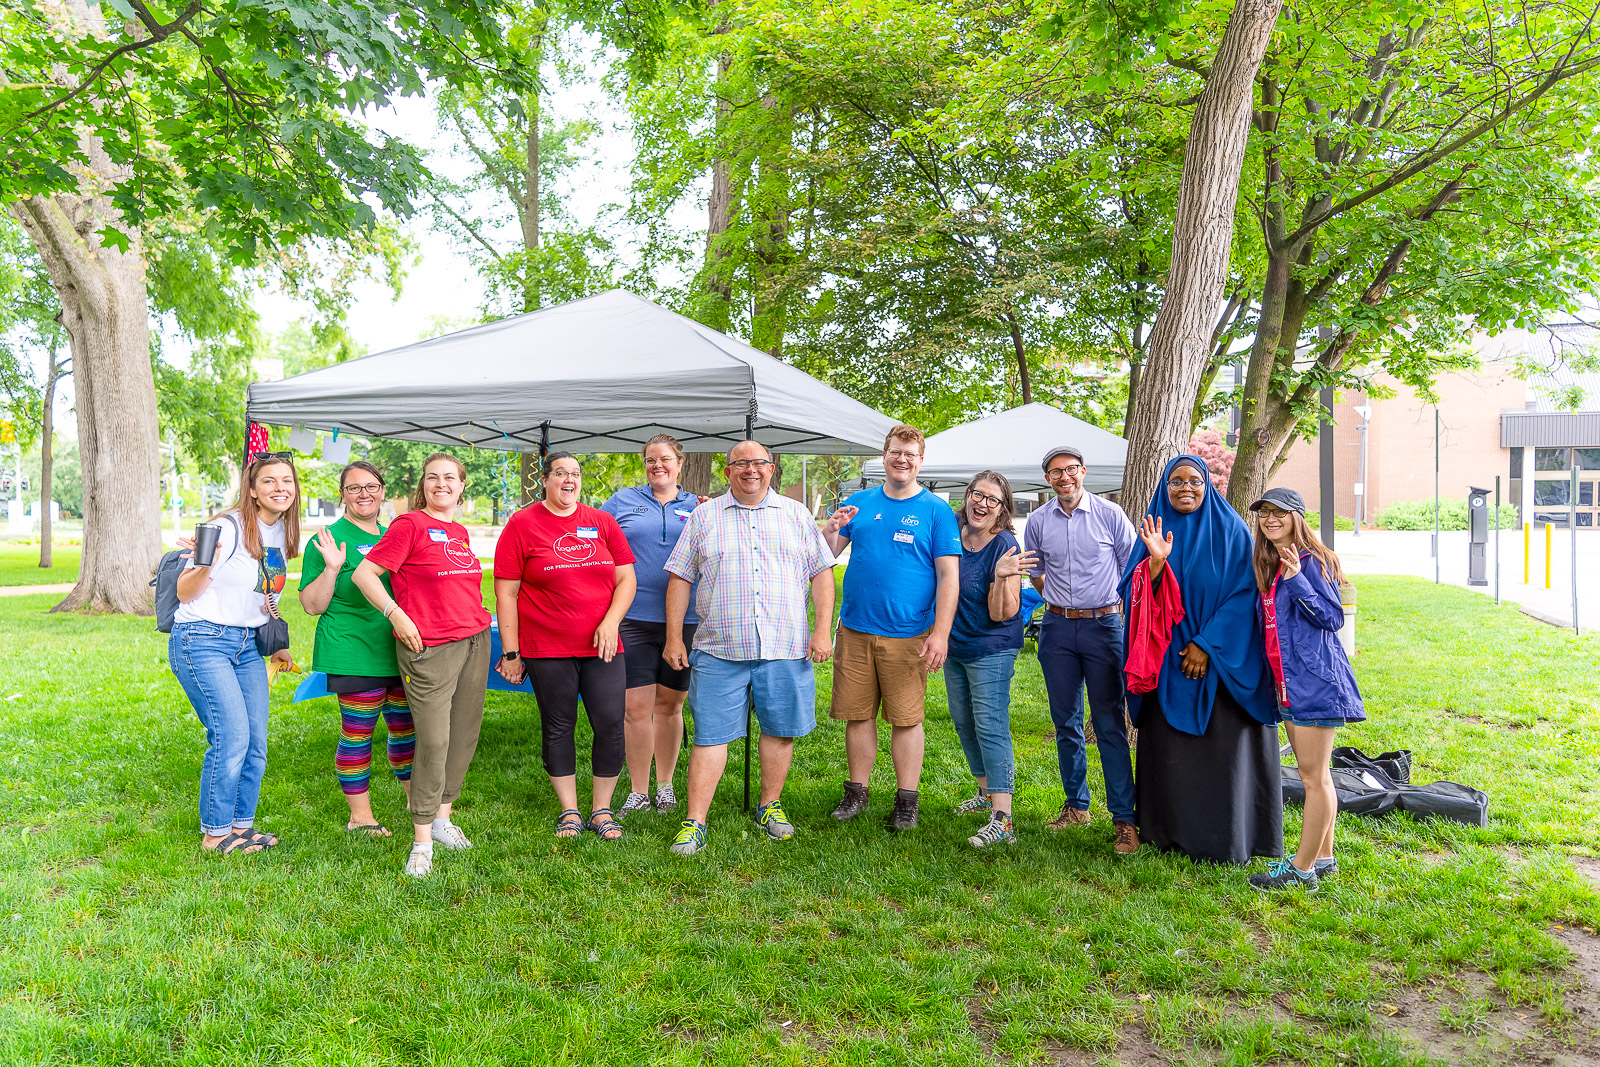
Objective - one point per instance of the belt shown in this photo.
(1084, 613)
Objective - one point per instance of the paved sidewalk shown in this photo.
(29, 590)
(1410, 552)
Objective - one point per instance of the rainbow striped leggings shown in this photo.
(358, 717)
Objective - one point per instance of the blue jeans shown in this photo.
(979, 692)
(1074, 653)
(225, 679)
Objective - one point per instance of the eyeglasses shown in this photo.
(258, 457)
(566, 474)
(1186, 483)
(1069, 471)
(749, 464)
(900, 453)
(364, 490)
(666, 462)
(1270, 512)
(992, 501)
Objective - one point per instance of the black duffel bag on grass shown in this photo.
(1365, 787)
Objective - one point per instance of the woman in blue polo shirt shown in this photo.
(652, 517)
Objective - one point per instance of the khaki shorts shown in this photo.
(869, 670)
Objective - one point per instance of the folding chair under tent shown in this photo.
(1013, 442)
(601, 374)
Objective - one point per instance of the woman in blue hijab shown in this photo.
(1208, 780)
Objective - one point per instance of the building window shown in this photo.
(1588, 458)
(1551, 459)
(1551, 491)
(1585, 518)
(1586, 494)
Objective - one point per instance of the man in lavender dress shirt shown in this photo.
(1083, 542)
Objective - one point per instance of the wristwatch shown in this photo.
(510, 655)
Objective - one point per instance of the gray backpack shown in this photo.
(166, 580)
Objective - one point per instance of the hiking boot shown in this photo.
(1127, 838)
(904, 815)
(854, 802)
(1070, 816)
(691, 839)
(771, 818)
(1283, 874)
(997, 831)
(978, 804)
(635, 802)
(1326, 868)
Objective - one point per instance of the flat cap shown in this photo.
(1283, 500)
(1060, 450)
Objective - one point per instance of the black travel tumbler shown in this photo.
(205, 543)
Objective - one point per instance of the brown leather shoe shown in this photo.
(1070, 816)
(1127, 838)
(854, 802)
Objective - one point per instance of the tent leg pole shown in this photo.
(750, 427)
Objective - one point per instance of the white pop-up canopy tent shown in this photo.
(1013, 442)
(601, 374)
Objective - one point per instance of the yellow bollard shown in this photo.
(1527, 551)
(1547, 555)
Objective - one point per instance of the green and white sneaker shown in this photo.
(771, 818)
(691, 839)
(979, 804)
(999, 830)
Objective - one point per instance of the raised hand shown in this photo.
(1150, 533)
(838, 519)
(1013, 562)
(1288, 560)
(332, 551)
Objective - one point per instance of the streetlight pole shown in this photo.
(1364, 413)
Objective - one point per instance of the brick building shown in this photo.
(1529, 428)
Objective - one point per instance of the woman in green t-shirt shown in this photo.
(355, 647)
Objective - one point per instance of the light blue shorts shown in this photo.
(785, 693)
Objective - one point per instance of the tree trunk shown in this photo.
(532, 299)
(1180, 344)
(47, 459)
(719, 206)
(1020, 351)
(105, 309)
(696, 473)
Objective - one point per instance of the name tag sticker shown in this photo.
(590, 532)
(438, 535)
(681, 513)
(363, 549)
(904, 537)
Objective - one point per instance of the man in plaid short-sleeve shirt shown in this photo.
(754, 554)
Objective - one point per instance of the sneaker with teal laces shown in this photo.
(691, 839)
(771, 818)
(1282, 874)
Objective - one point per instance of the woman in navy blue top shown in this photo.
(1298, 578)
(984, 641)
(652, 517)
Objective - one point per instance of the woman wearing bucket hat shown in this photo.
(1298, 579)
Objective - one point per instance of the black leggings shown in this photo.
(557, 683)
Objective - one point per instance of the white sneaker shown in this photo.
(635, 802)
(449, 835)
(666, 799)
(420, 863)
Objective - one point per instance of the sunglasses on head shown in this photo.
(262, 457)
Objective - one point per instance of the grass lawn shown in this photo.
(19, 563)
(120, 943)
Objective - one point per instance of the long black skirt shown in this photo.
(1217, 798)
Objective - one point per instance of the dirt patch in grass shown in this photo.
(1471, 1022)
(1134, 1049)
(1589, 867)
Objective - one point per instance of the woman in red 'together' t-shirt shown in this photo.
(441, 641)
(563, 578)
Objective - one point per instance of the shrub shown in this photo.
(1212, 447)
(1418, 515)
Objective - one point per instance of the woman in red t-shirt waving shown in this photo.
(442, 642)
(563, 578)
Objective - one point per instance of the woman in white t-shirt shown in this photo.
(213, 647)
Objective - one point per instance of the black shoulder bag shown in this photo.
(274, 635)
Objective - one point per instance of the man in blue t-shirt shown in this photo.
(900, 592)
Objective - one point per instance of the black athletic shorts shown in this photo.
(642, 643)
